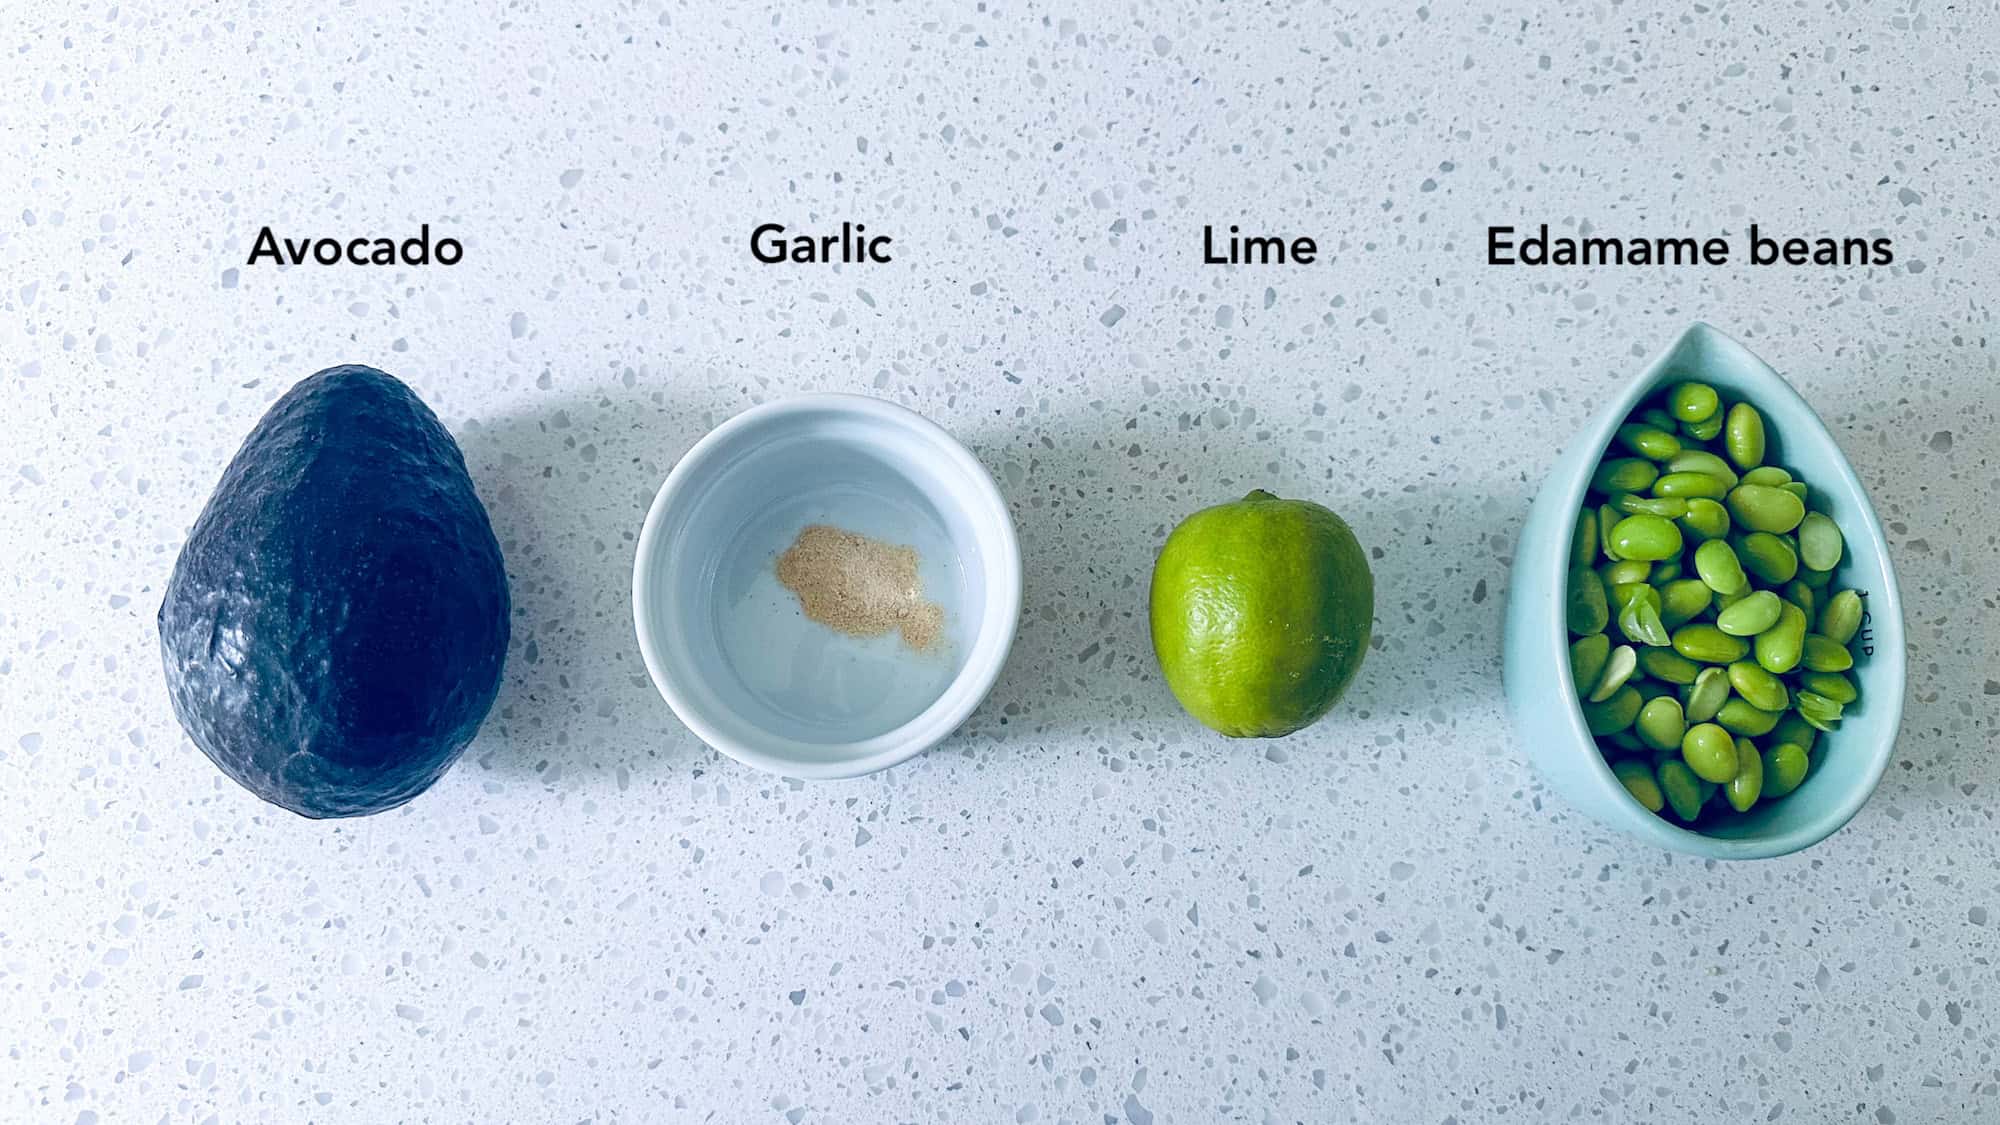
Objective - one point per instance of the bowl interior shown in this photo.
(1848, 761)
(738, 657)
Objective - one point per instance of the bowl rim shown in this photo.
(999, 619)
(1767, 385)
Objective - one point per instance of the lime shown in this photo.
(1261, 610)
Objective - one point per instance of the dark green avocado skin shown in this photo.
(336, 626)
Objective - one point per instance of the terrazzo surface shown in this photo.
(1083, 907)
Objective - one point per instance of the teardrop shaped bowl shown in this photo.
(1848, 762)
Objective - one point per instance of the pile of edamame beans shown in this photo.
(1705, 621)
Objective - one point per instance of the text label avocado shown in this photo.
(363, 251)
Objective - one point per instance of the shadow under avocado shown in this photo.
(567, 485)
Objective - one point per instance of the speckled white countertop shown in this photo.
(1083, 908)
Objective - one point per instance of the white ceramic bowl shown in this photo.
(730, 648)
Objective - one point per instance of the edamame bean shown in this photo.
(1708, 644)
(1704, 430)
(1770, 557)
(1769, 475)
(1749, 615)
(1622, 593)
(1785, 766)
(1706, 519)
(1818, 579)
(1820, 544)
(1649, 442)
(1794, 730)
(1803, 596)
(1661, 723)
(1607, 518)
(1664, 571)
(1780, 647)
(1624, 571)
(1702, 461)
(1710, 752)
(1646, 537)
(1706, 697)
(1680, 787)
(1689, 486)
(1638, 780)
(1587, 657)
(1716, 562)
(1824, 654)
(1818, 710)
(1639, 619)
(1589, 611)
(1798, 489)
(1671, 507)
(1664, 665)
(1764, 508)
(1585, 543)
(1841, 618)
(1743, 789)
(1743, 436)
(1693, 402)
(1832, 685)
(1624, 474)
(1759, 688)
(1739, 716)
(1618, 668)
(1682, 600)
(1614, 714)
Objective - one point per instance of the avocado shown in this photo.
(336, 626)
